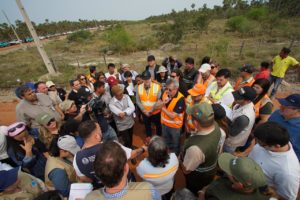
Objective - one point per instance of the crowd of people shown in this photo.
(224, 135)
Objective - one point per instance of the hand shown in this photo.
(27, 147)
(82, 109)
(122, 115)
(159, 104)
(146, 113)
(166, 100)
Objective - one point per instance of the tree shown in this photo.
(193, 6)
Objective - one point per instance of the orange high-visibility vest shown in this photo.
(238, 84)
(206, 82)
(177, 122)
(263, 101)
(189, 102)
(189, 121)
(150, 99)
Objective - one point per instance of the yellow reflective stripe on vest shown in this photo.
(165, 173)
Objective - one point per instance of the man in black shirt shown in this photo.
(73, 94)
(190, 73)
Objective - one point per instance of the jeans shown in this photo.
(172, 137)
(125, 137)
(110, 134)
(152, 119)
(277, 81)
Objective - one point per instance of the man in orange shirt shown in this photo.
(246, 78)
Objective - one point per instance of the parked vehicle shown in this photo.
(4, 44)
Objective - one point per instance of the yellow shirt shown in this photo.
(281, 65)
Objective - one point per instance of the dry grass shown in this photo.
(224, 47)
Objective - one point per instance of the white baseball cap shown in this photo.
(49, 84)
(68, 143)
(204, 68)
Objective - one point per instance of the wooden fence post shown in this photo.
(242, 47)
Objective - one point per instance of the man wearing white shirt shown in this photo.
(122, 108)
(111, 71)
(276, 156)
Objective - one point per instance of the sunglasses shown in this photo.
(51, 120)
(82, 79)
(16, 127)
(173, 76)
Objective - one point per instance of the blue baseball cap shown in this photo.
(291, 100)
(8, 177)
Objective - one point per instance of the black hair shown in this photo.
(36, 85)
(69, 127)
(72, 82)
(265, 64)
(224, 72)
(98, 84)
(178, 73)
(111, 65)
(265, 85)
(127, 74)
(205, 59)
(286, 50)
(50, 195)
(138, 76)
(23, 89)
(98, 74)
(86, 128)
(189, 60)
(109, 163)
(272, 133)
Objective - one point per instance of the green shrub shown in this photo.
(240, 24)
(119, 40)
(80, 36)
(258, 14)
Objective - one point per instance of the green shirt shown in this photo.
(221, 190)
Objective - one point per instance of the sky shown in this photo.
(57, 10)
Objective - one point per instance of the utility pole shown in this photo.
(14, 30)
(36, 39)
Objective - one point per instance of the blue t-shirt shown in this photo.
(293, 127)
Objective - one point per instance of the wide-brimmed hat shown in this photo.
(161, 69)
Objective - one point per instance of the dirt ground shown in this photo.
(8, 116)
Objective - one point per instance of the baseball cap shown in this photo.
(43, 118)
(116, 89)
(246, 92)
(49, 84)
(204, 68)
(112, 81)
(68, 143)
(203, 112)
(291, 100)
(247, 68)
(150, 58)
(84, 93)
(15, 129)
(198, 89)
(146, 75)
(8, 177)
(243, 169)
(65, 105)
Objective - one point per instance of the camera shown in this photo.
(96, 105)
